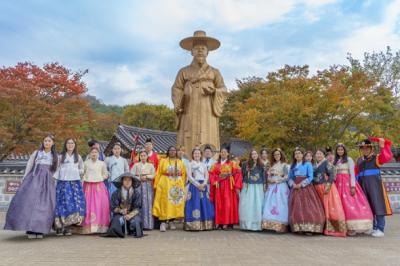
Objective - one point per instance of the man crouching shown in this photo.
(126, 203)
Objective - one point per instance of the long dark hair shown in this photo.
(312, 156)
(272, 157)
(337, 157)
(250, 162)
(172, 147)
(294, 162)
(74, 152)
(53, 152)
(227, 159)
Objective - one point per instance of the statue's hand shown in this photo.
(208, 90)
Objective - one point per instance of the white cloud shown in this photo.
(123, 84)
(158, 19)
(369, 38)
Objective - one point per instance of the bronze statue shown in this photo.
(198, 95)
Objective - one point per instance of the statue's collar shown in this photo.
(195, 65)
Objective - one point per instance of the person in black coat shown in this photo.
(126, 203)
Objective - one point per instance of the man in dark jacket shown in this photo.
(126, 203)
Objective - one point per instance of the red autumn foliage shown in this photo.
(35, 101)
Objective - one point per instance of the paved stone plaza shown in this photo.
(205, 248)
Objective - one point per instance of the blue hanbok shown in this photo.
(199, 210)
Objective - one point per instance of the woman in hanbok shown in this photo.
(252, 193)
(97, 217)
(275, 211)
(226, 183)
(116, 165)
(70, 200)
(169, 183)
(356, 208)
(324, 184)
(145, 172)
(199, 211)
(32, 208)
(306, 213)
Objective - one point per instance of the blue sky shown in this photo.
(131, 47)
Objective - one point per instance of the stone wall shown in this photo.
(392, 185)
(5, 198)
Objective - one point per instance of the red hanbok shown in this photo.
(225, 179)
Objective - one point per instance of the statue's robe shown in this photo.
(199, 122)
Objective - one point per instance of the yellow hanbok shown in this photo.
(169, 183)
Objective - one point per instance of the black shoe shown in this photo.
(59, 232)
(67, 232)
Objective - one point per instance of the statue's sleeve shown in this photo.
(177, 89)
(219, 97)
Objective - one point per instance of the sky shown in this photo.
(131, 48)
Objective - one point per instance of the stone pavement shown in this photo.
(202, 248)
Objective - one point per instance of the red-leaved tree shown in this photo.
(35, 101)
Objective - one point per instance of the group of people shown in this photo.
(319, 192)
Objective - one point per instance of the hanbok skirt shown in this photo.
(70, 204)
(110, 187)
(306, 213)
(334, 214)
(199, 210)
(169, 201)
(32, 207)
(275, 211)
(357, 211)
(251, 207)
(97, 217)
(226, 203)
(147, 205)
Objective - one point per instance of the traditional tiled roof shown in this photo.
(103, 145)
(238, 148)
(125, 134)
(14, 164)
(390, 170)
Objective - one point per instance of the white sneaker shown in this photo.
(172, 226)
(39, 236)
(370, 232)
(31, 236)
(378, 233)
(163, 227)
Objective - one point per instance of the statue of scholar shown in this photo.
(198, 95)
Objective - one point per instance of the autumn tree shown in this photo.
(151, 116)
(102, 126)
(293, 108)
(35, 101)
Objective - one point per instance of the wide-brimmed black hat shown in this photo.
(118, 181)
(365, 143)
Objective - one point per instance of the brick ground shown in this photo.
(203, 248)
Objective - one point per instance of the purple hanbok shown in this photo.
(32, 208)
